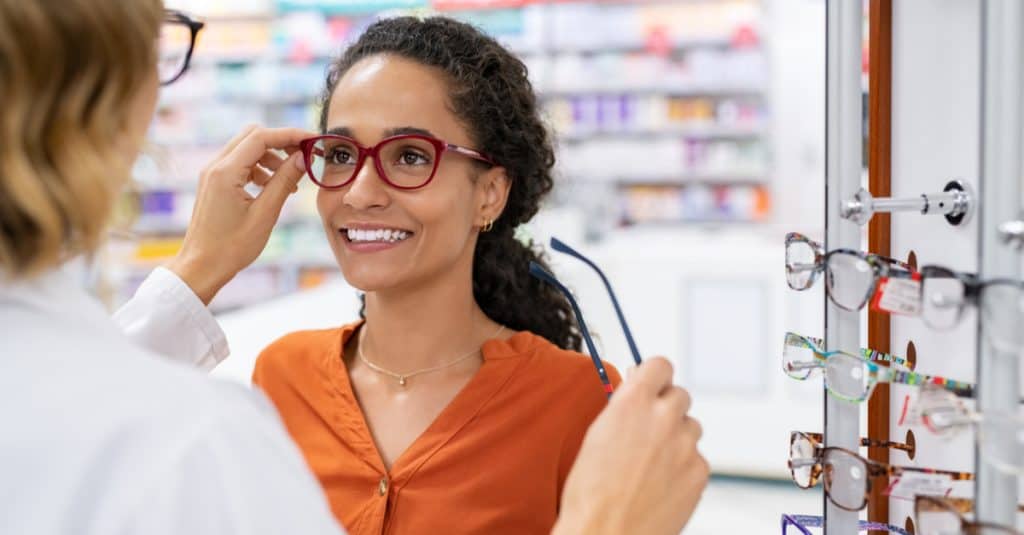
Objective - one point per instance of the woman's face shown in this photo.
(141, 109)
(383, 96)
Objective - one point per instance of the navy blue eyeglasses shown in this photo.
(539, 272)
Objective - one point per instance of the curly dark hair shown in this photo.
(490, 93)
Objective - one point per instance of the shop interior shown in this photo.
(692, 138)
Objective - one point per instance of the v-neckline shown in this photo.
(467, 403)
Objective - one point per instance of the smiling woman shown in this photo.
(422, 418)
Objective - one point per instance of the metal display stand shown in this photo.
(1001, 124)
(844, 138)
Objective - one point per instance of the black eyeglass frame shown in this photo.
(174, 16)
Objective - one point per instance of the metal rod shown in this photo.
(957, 203)
(843, 146)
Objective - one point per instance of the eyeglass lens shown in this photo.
(850, 279)
(942, 301)
(173, 50)
(406, 162)
(802, 460)
(800, 265)
(846, 479)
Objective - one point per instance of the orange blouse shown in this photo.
(494, 461)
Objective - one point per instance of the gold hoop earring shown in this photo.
(488, 225)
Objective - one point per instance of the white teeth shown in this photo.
(380, 235)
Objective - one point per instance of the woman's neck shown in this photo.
(429, 326)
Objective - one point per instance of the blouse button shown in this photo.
(382, 488)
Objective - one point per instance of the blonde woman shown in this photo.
(102, 436)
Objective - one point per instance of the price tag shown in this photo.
(898, 296)
(910, 484)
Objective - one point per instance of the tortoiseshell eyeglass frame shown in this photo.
(873, 469)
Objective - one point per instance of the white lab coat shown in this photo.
(101, 436)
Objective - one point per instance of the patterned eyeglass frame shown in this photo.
(876, 373)
(881, 267)
(960, 507)
(872, 468)
(802, 522)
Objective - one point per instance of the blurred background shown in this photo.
(690, 139)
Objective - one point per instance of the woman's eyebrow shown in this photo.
(407, 130)
(340, 131)
(398, 131)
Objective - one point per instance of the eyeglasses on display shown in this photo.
(405, 162)
(851, 377)
(910, 448)
(946, 415)
(802, 525)
(851, 277)
(846, 475)
(176, 42)
(946, 293)
(945, 516)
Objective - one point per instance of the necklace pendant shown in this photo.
(401, 381)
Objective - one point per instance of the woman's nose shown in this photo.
(368, 190)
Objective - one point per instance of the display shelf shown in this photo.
(695, 131)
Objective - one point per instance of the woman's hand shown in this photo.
(638, 470)
(230, 227)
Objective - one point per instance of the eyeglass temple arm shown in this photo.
(561, 247)
(540, 273)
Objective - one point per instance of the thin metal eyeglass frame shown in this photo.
(561, 247)
(440, 148)
(881, 267)
(876, 374)
(802, 522)
(539, 272)
(173, 16)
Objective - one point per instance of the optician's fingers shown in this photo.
(282, 184)
(260, 176)
(676, 400)
(652, 377)
(271, 161)
(258, 142)
(230, 146)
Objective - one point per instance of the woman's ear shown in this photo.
(493, 188)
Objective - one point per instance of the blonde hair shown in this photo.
(69, 71)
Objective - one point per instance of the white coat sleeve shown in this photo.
(235, 473)
(166, 317)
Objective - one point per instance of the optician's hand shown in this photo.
(229, 227)
(638, 470)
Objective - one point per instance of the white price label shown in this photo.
(898, 296)
(910, 484)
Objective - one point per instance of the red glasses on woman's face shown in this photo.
(404, 162)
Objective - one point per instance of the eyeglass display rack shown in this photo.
(978, 140)
(686, 83)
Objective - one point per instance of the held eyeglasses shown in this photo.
(538, 271)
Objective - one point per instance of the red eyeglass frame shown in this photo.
(440, 148)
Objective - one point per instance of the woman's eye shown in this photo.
(410, 157)
(340, 157)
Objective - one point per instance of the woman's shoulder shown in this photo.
(301, 350)
(554, 361)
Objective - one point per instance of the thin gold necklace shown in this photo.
(402, 377)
